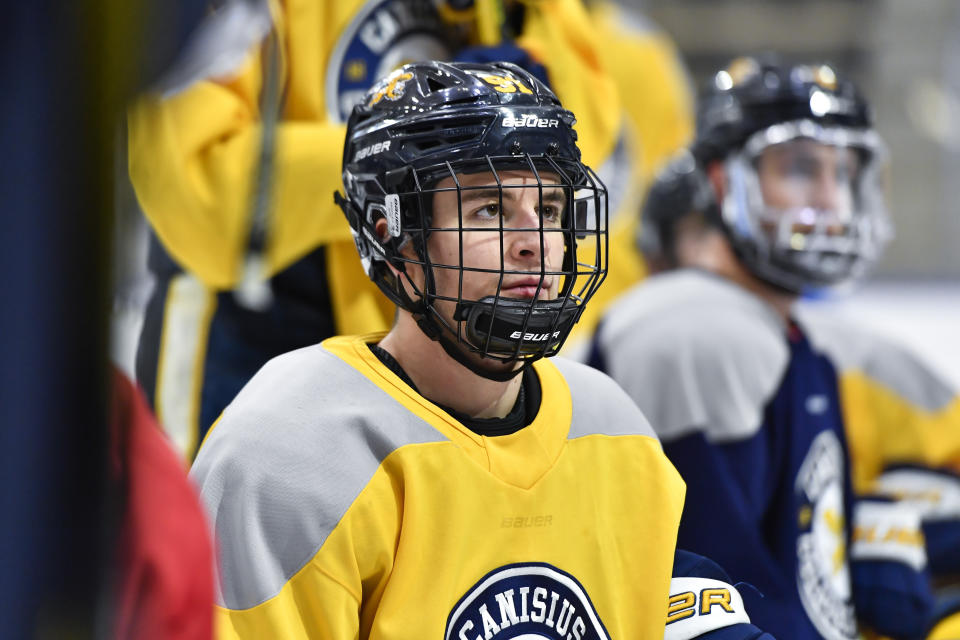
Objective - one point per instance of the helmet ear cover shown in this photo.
(382, 256)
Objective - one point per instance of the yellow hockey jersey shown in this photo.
(346, 505)
(897, 410)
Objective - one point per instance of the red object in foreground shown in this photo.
(165, 554)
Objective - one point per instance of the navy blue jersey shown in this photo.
(789, 488)
(749, 414)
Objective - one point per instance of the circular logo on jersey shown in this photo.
(383, 36)
(531, 601)
(823, 577)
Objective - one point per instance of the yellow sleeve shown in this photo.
(946, 629)
(883, 428)
(558, 34)
(656, 106)
(336, 594)
(193, 157)
(655, 91)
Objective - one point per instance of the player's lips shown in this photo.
(526, 288)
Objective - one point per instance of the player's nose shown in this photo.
(527, 239)
(827, 192)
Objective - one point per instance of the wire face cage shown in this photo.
(493, 243)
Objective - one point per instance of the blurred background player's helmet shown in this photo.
(680, 189)
(823, 220)
(429, 121)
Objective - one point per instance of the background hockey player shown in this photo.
(748, 409)
(656, 101)
(444, 478)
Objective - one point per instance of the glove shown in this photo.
(935, 494)
(888, 567)
(704, 604)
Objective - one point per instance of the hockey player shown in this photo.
(444, 478)
(746, 402)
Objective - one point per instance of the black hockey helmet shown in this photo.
(807, 117)
(430, 121)
(752, 94)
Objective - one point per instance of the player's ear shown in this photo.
(380, 226)
(717, 175)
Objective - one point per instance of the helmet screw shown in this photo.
(515, 148)
(553, 149)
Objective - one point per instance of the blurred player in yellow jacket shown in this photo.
(656, 101)
(236, 172)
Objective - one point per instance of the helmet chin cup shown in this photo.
(508, 329)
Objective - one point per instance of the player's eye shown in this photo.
(488, 211)
(550, 213)
(802, 167)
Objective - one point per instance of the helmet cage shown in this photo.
(800, 247)
(495, 326)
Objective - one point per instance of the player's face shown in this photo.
(524, 212)
(805, 174)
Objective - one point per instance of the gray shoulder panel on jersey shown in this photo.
(599, 405)
(287, 459)
(696, 353)
(878, 358)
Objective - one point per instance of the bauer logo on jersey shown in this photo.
(531, 601)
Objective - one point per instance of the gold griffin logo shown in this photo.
(393, 89)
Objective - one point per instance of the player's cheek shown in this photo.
(555, 250)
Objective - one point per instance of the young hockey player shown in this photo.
(444, 479)
(782, 193)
